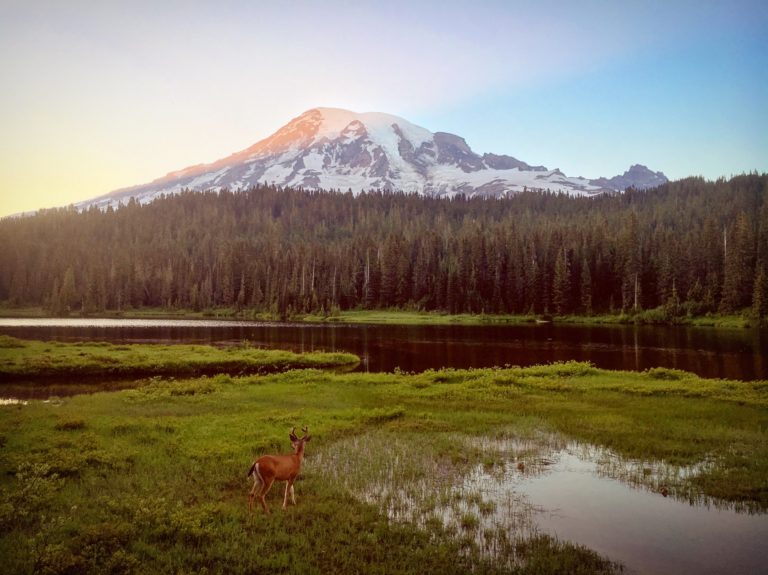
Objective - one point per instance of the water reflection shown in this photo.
(737, 354)
(644, 530)
(67, 386)
(578, 493)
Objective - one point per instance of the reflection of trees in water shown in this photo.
(709, 352)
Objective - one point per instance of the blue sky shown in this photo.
(99, 95)
(701, 109)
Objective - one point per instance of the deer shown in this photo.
(270, 468)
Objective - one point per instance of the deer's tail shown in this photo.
(252, 469)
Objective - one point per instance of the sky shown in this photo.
(99, 95)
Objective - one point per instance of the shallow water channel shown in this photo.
(638, 514)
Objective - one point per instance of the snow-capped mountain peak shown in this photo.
(332, 148)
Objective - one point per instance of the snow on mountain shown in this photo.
(331, 148)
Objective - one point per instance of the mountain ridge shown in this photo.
(333, 148)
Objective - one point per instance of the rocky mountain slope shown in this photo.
(331, 148)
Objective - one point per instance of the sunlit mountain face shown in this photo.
(335, 149)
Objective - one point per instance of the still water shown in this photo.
(575, 499)
(639, 513)
(736, 353)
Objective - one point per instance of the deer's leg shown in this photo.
(252, 496)
(263, 493)
(288, 488)
(293, 495)
(254, 489)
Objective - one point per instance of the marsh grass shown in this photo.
(36, 359)
(153, 479)
(396, 473)
(415, 480)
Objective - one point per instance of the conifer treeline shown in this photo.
(686, 247)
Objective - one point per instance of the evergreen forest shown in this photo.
(686, 248)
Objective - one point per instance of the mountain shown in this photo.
(331, 148)
(638, 177)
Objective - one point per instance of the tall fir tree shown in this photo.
(561, 284)
(586, 288)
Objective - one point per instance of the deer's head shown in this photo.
(298, 442)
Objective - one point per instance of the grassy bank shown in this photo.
(37, 359)
(738, 321)
(403, 317)
(351, 316)
(436, 318)
(418, 318)
(153, 479)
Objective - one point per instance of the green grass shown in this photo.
(417, 318)
(650, 317)
(12, 311)
(153, 479)
(37, 359)
(435, 318)
(725, 321)
(404, 317)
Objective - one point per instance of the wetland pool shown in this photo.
(639, 514)
(644, 530)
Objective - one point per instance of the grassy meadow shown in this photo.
(153, 480)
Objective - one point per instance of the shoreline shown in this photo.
(400, 317)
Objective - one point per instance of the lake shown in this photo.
(709, 352)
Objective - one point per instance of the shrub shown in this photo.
(34, 488)
(469, 521)
(7, 342)
(70, 425)
(384, 414)
(667, 374)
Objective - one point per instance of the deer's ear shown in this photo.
(307, 438)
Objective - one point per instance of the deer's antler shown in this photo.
(305, 431)
(293, 435)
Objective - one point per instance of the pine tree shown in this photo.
(296, 251)
(561, 284)
(166, 287)
(389, 272)
(760, 296)
(586, 288)
(227, 289)
(240, 301)
(739, 267)
(760, 290)
(68, 293)
(672, 305)
(194, 297)
(55, 306)
(630, 252)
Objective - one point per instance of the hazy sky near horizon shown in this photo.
(99, 95)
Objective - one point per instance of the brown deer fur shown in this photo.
(270, 468)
